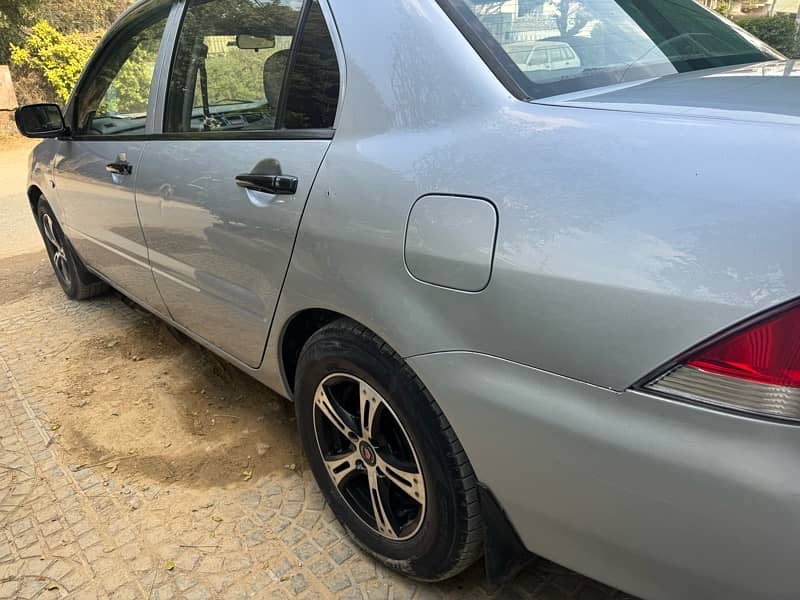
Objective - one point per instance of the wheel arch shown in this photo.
(34, 194)
(295, 333)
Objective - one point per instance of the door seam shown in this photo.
(291, 255)
(141, 228)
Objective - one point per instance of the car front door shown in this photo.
(95, 168)
(221, 193)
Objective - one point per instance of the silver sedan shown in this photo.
(528, 269)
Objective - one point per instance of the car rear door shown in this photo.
(95, 168)
(248, 117)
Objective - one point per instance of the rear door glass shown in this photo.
(229, 65)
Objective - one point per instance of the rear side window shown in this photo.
(229, 71)
(314, 79)
(595, 43)
(229, 65)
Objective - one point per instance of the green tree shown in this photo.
(780, 32)
(79, 15)
(15, 15)
(59, 58)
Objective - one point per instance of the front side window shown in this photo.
(229, 65)
(593, 43)
(114, 100)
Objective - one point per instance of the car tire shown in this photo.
(343, 368)
(75, 279)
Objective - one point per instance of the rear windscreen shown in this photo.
(558, 46)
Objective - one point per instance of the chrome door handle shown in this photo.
(270, 184)
(119, 168)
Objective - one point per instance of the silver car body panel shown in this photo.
(631, 226)
(662, 499)
(100, 215)
(219, 252)
(759, 93)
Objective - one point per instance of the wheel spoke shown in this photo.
(61, 266)
(342, 466)
(379, 511)
(47, 226)
(369, 402)
(328, 408)
(409, 481)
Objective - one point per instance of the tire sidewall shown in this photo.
(424, 554)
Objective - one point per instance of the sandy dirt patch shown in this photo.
(25, 274)
(151, 404)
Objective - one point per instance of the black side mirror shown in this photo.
(40, 121)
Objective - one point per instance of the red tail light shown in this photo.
(755, 368)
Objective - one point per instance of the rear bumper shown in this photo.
(658, 498)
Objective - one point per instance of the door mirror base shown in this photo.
(40, 121)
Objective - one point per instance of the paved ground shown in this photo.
(118, 477)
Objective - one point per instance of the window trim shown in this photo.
(333, 36)
(165, 60)
(273, 134)
(341, 63)
(280, 115)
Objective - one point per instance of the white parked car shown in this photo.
(543, 56)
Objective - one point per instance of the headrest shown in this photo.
(274, 68)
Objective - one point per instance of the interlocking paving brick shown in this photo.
(321, 567)
(306, 550)
(362, 570)
(200, 592)
(127, 592)
(337, 581)
(376, 590)
(9, 589)
(352, 594)
(17, 528)
(341, 552)
(298, 583)
(282, 567)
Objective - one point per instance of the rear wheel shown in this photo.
(385, 456)
(76, 281)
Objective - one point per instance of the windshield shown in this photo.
(559, 46)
